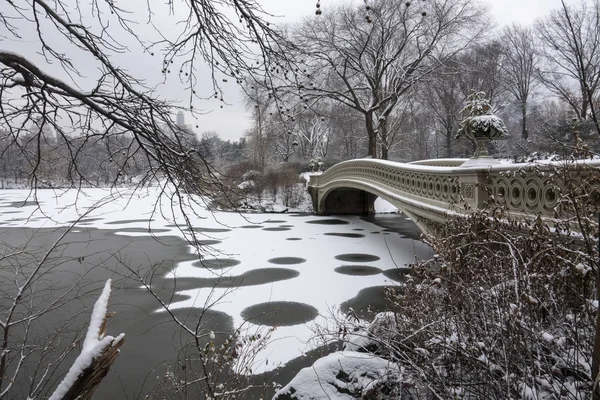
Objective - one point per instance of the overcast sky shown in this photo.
(232, 121)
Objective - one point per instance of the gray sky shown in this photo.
(232, 121)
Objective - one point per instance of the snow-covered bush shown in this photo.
(273, 189)
(215, 365)
(345, 375)
(508, 309)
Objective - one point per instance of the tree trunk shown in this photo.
(372, 136)
(449, 142)
(584, 102)
(524, 132)
(384, 151)
(384, 140)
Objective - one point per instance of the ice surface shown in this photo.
(317, 285)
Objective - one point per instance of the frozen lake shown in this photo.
(287, 271)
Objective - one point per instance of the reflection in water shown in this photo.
(397, 223)
(280, 313)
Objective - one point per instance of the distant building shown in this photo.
(181, 120)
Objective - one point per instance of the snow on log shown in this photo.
(98, 353)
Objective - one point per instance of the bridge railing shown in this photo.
(522, 189)
(436, 186)
(441, 162)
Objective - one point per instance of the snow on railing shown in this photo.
(528, 189)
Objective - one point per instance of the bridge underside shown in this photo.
(347, 200)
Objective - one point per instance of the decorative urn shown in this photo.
(481, 126)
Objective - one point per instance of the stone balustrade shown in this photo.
(429, 190)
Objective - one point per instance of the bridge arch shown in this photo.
(356, 198)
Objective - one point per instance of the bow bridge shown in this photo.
(431, 190)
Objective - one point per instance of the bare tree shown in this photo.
(443, 98)
(73, 82)
(481, 71)
(571, 40)
(260, 104)
(521, 59)
(312, 135)
(367, 59)
(347, 139)
(53, 91)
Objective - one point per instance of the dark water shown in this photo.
(89, 257)
(347, 235)
(126, 221)
(357, 270)
(259, 276)
(287, 260)
(357, 257)
(218, 263)
(395, 223)
(280, 313)
(153, 342)
(328, 221)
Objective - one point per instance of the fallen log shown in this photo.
(98, 353)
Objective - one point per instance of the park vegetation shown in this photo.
(383, 79)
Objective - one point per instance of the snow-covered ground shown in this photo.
(308, 248)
